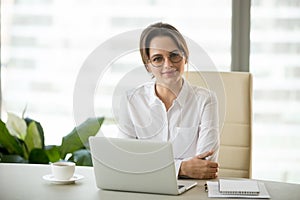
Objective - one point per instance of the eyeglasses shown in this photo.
(159, 60)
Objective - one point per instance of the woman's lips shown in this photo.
(169, 72)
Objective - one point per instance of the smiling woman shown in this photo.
(164, 109)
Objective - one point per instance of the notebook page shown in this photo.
(213, 192)
(243, 186)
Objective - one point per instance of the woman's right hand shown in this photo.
(199, 168)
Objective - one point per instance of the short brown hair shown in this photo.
(161, 29)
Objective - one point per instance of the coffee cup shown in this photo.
(63, 170)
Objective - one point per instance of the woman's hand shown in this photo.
(199, 168)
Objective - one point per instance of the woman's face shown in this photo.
(166, 60)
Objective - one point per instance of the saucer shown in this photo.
(51, 179)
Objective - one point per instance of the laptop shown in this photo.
(136, 166)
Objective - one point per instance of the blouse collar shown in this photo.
(181, 98)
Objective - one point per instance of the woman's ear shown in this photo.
(185, 61)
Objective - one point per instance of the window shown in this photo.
(274, 62)
(45, 43)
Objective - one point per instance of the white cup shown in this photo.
(63, 170)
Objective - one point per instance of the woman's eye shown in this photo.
(174, 55)
(157, 59)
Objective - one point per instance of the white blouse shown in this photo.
(191, 123)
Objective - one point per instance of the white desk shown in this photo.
(24, 181)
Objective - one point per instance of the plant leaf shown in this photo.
(12, 159)
(24, 147)
(78, 138)
(16, 126)
(33, 139)
(38, 156)
(9, 142)
(53, 153)
(39, 128)
(82, 157)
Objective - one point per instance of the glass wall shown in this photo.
(45, 43)
(274, 62)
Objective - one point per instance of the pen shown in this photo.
(206, 155)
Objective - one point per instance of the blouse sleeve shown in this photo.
(209, 136)
(125, 125)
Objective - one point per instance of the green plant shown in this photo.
(22, 141)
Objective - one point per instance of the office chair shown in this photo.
(234, 92)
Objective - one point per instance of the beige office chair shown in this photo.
(234, 91)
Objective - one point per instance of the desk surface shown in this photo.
(24, 181)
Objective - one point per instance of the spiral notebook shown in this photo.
(237, 188)
(242, 187)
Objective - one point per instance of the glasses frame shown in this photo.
(182, 56)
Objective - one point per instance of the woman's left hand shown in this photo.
(199, 168)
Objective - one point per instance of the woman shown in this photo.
(170, 109)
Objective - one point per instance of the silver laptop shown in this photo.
(136, 166)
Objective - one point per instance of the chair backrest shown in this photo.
(234, 92)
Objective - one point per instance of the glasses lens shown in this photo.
(175, 57)
(157, 61)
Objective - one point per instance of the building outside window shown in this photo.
(274, 62)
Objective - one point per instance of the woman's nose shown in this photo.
(167, 62)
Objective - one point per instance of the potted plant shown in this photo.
(22, 141)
